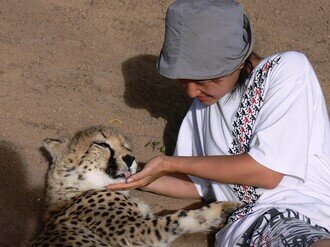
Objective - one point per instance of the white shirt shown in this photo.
(291, 135)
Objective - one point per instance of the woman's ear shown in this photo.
(241, 66)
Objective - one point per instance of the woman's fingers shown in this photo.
(135, 181)
(136, 177)
(152, 171)
(125, 186)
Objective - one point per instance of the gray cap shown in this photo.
(204, 39)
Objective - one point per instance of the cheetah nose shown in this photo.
(128, 159)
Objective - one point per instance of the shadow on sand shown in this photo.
(18, 205)
(162, 97)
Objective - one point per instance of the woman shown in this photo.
(257, 132)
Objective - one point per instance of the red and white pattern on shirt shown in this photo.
(245, 117)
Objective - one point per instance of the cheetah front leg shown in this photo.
(167, 228)
(212, 216)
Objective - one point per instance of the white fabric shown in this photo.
(291, 135)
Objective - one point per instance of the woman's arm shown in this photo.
(230, 169)
(174, 185)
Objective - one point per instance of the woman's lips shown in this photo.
(202, 98)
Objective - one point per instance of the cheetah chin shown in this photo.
(81, 212)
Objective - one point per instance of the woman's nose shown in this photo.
(192, 90)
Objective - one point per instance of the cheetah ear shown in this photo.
(55, 146)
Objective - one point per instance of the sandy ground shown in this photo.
(66, 65)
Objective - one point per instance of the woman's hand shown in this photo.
(153, 170)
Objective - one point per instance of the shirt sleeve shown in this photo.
(203, 187)
(280, 139)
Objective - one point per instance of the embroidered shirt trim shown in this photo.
(245, 117)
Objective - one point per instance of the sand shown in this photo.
(67, 65)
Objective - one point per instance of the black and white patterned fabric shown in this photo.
(282, 228)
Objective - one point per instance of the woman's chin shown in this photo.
(207, 101)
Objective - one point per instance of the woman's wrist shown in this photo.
(174, 164)
(167, 162)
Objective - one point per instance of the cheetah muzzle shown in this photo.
(81, 212)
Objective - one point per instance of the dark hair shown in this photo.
(245, 72)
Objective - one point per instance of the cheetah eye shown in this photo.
(127, 146)
(103, 144)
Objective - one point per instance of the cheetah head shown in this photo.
(91, 159)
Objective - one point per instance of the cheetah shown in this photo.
(81, 212)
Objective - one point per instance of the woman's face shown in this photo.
(210, 91)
